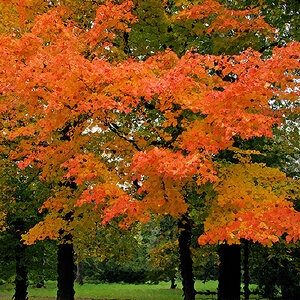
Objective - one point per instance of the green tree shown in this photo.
(21, 196)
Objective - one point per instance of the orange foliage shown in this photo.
(67, 111)
(253, 202)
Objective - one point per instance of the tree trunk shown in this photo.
(186, 263)
(21, 282)
(66, 270)
(229, 272)
(79, 278)
(173, 284)
(65, 253)
(246, 270)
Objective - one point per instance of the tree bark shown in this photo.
(186, 263)
(66, 270)
(173, 284)
(79, 278)
(229, 272)
(21, 282)
(246, 270)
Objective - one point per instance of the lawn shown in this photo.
(160, 291)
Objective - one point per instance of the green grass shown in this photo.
(160, 291)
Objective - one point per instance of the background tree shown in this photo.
(162, 243)
(21, 196)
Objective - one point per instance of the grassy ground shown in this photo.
(117, 291)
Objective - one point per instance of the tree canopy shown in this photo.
(135, 133)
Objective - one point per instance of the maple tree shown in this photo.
(238, 213)
(56, 230)
(151, 126)
(271, 155)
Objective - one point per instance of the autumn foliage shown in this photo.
(133, 134)
(252, 202)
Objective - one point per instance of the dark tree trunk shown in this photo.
(186, 263)
(66, 271)
(21, 282)
(246, 269)
(65, 254)
(229, 272)
(173, 284)
(65, 264)
(79, 277)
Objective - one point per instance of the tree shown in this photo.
(21, 195)
(278, 266)
(271, 153)
(55, 180)
(252, 202)
(158, 121)
(162, 245)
